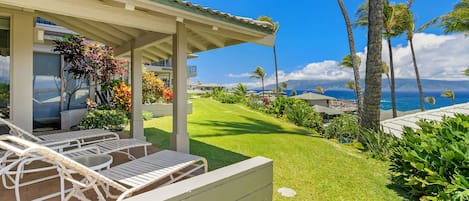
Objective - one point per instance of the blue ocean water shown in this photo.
(406, 100)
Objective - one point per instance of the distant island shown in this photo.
(401, 85)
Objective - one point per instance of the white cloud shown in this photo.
(442, 57)
(241, 75)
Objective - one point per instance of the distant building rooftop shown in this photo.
(313, 96)
(327, 110)
(395, 126)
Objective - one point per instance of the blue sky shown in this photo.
(312, 36)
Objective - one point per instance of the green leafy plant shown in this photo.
(146, 115)
(432, 163)
(108, 119)
(377, 143)
(278, 106)
(229, 98)
(344, 128)
(301, 114)
(255, 103)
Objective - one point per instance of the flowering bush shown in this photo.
(266, 101)
(87, 61)
(168, 95)
(122, 97)
(152, 87)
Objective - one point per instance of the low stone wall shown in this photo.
(249, 180)
(163, 109)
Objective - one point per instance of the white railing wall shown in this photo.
(249, 180)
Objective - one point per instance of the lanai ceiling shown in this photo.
(149, 24)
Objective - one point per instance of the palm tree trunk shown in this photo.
(393, 81)
(371, 113)
(356, 72)
(417, 75)
(276, 71)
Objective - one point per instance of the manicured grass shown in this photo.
(315, 168)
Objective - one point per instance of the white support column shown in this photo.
(180, 137)
(136, 124)
(22, 35)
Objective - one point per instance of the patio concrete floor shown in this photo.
(51, 186)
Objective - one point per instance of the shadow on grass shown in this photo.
(216, 157)
(401, 192)
(252, 126)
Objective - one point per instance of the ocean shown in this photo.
(406, 100)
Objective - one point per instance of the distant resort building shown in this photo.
(321, 104)
(164, 70)
(316, 99)
(206, 87)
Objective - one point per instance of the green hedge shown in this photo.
(433, 163)
(344, 128)
(107, 119)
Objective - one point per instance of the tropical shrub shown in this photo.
(432, 163)
(146, 115)
(265, 100)
(107, 119)
(168, 95)
(85, 61)
(278, 106)
(229, 98)
(378, 143)
(344, 128)
(152, 87)
(254, 103)
(241, 90)
(301, 114)
(122, 97)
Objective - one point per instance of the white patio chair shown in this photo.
(104, 141)
(126, 178)
(76, 138)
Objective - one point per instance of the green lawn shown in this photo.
(315, 168)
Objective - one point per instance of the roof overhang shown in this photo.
(147, 24)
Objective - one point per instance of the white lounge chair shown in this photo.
(126, 178)
(96, 139)
(80, 138)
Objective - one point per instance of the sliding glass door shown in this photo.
(46, 90)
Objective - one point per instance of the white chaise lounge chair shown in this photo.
(126, 178)
(102, 141)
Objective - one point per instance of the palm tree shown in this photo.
(466, 72)
(351, 85)
(370, 115)
(385, 68)
(241, 89)
(410, 37)
(353, 57)
(259, 73)
(348, 63)
(283, 85)
(456, 20)
(275, 26)
(448, 94)
(293, 92)
(320, 90)
(393, 26)
(431, 100)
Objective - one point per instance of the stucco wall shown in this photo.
(249, 180)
